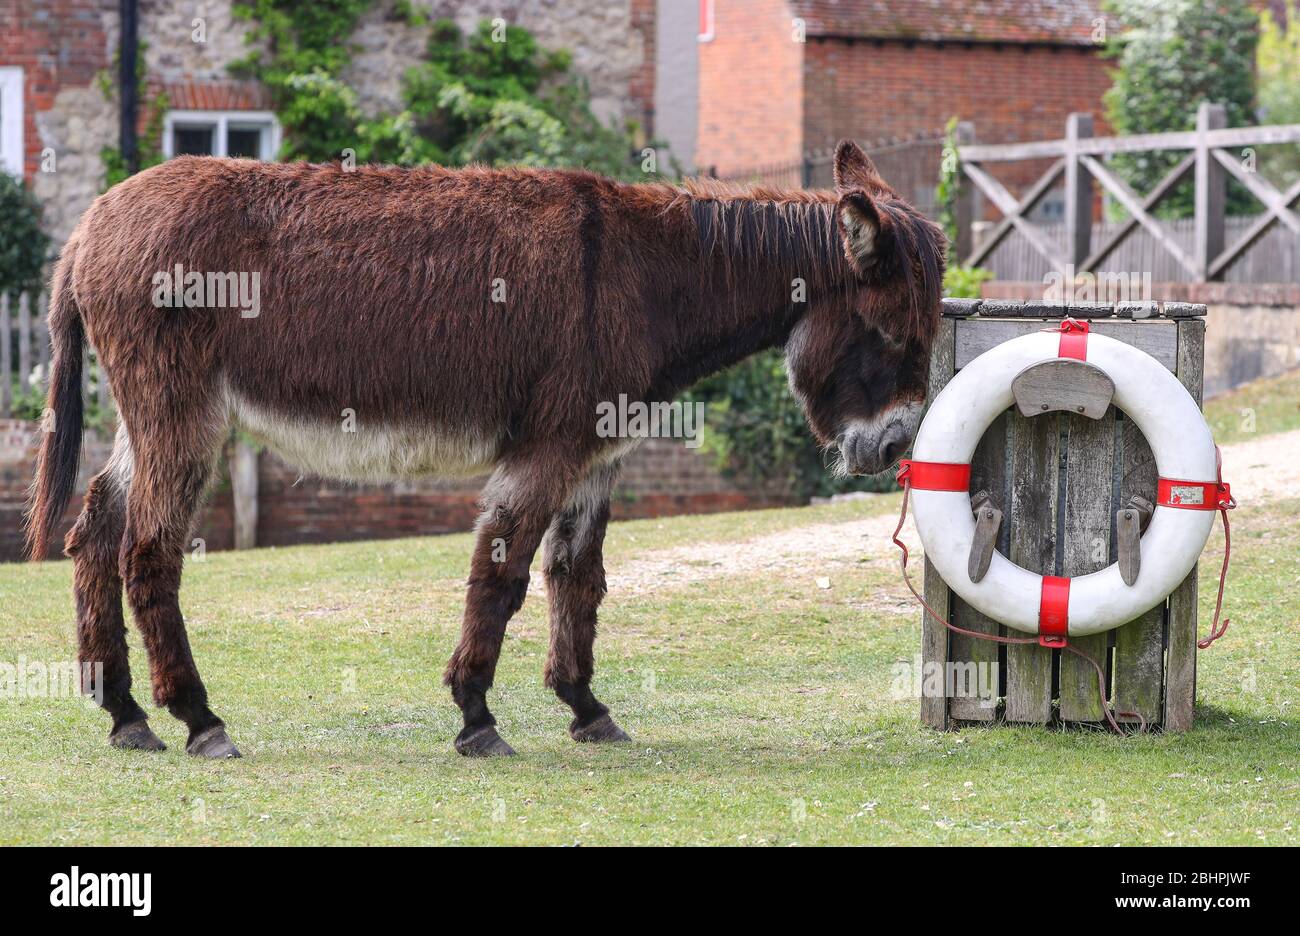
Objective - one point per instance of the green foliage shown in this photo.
(756, 431)
(23, 245)
(949, 188)
(149, 144)
(306, 51)
(1278, 68)
(1173, 55)
(963, 282)
(494, 97)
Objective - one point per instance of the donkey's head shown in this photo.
(859, 363)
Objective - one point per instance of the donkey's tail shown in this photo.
(56, 465)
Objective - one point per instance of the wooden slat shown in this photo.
(1035, 447)
(1089, 468)
(988, 473)
(1138, 681)
(1158, 339)
(43, 338)
(24, 340)
(934, 636)
(1228, 138)
(1134, 204)
(6, 365)
(1180, 682)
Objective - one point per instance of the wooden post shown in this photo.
(6, 365)
(243, 481)
(934, 636)
(43, 338)
(1180, 684)
(1078, 193)
(24, 341)
(966, 193)
(1211, 190)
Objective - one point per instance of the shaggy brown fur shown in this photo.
(459, 319)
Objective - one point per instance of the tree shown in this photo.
(23, 245)
(1279, 90)
(1173, 55)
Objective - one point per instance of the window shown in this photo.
(706, 20)
(251, 134)
(11, 120)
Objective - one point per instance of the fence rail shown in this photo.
(25, 360)
(1208, 254)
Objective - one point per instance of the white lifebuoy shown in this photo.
(1185, 456)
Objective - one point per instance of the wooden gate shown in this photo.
(1059, 480)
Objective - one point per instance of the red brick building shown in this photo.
(780, 78)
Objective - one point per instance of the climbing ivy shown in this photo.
(958, 281)
(494, 97)
(148, 149)
(305, 51)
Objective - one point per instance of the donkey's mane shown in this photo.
(773, 233)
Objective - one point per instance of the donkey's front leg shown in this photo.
(575, 584)
(520, 503)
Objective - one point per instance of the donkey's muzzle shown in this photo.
(872, 447)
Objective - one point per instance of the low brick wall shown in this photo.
(661, 478)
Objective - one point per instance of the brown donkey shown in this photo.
(406, 322)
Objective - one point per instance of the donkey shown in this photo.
(463, 320)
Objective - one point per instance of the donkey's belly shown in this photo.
(351, 449)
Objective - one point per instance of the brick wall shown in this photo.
(58, 44)
(662, 478)
(870, 90)
(766, 99)
(751, 99)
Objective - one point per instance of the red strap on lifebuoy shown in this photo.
(934, 476)
(1194, 495)
(1074, 339)
(1054, 611)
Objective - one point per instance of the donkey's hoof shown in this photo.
(136, 736)
(482, 742)
(603, 729)
(212, 743)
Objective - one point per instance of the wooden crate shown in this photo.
(1059, 479)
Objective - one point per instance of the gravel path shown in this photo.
(1259, 471)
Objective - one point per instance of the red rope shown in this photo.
(1226, 502)
(905, 481)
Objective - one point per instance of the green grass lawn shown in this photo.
(760, 706)
(1261, 407)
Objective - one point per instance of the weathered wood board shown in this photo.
(1059, 479)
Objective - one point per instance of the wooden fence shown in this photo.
(25, 360)
(1201, 252)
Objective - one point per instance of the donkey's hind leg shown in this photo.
(93, 543)
(520, 500)
(573, 564)
(172, 469)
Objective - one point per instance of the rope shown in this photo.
(1226, 502)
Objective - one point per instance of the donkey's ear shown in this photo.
(854, 168)
(864, 234)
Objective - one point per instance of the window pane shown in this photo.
(244, 141)
(192, 141)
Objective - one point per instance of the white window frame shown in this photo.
(221, 122)
(12, 154)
